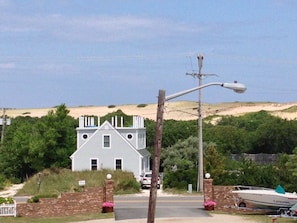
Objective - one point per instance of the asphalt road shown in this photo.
(133, 207)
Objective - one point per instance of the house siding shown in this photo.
(131, 150)
(138, 140)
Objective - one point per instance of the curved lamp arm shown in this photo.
(237, 87)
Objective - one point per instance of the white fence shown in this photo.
(8, 209)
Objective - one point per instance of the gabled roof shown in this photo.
(107, 125)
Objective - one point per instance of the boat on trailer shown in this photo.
(265, 197)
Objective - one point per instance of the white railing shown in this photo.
(8, 209)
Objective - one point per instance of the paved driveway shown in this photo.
(136, 207)
(171, 212)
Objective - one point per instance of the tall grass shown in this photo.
(53, 182)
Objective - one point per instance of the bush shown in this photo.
(34, 199)
(180, 179)
(125, 182)
(129, 184)
(7, 200)
(141, 105)
(2, 181)
(111, 106)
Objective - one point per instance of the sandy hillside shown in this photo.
(179, 110)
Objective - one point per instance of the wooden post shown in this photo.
(156, 160)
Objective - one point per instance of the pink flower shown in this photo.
(209, 204)
(108, 204)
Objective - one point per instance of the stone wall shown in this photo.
(88, 201)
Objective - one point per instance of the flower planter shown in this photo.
(107, 209)
(209, 208)
(209, 205)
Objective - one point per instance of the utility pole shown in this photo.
(199, 75)
(156, 160)
(237, 87)
(200, 142)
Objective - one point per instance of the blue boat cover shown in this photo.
(279, 189)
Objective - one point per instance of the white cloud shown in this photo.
(100, 28)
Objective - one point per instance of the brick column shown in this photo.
(108, 190)
(208, 189)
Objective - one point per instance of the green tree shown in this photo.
(214, 163)
(127, 119)
(228, 138)
(291, 171)
(182, 155)
(57, 131)
(275, 136)
(33, 144)
(15, 159)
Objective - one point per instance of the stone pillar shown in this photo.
(108, 191)
(208, 189)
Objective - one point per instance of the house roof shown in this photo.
(144, 152)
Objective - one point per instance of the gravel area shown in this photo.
(11, 191)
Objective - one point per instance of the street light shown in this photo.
(237, 87)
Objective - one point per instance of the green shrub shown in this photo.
(7, 200)
(2, 181)
(180, 179)
(125, 182)
(141, 105)
(129, 184)
(34, 199)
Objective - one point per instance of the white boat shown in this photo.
(266, 198)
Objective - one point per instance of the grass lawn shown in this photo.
(265, 218)
(57, 219)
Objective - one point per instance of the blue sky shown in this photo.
(99, 53)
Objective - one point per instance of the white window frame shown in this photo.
(97, 159)
(115, 163)
(103, 142)
(82, 136)
(132, 136)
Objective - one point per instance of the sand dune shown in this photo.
(177, 110)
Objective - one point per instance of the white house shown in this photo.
(111, 146)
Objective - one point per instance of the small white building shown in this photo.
(112, 146)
